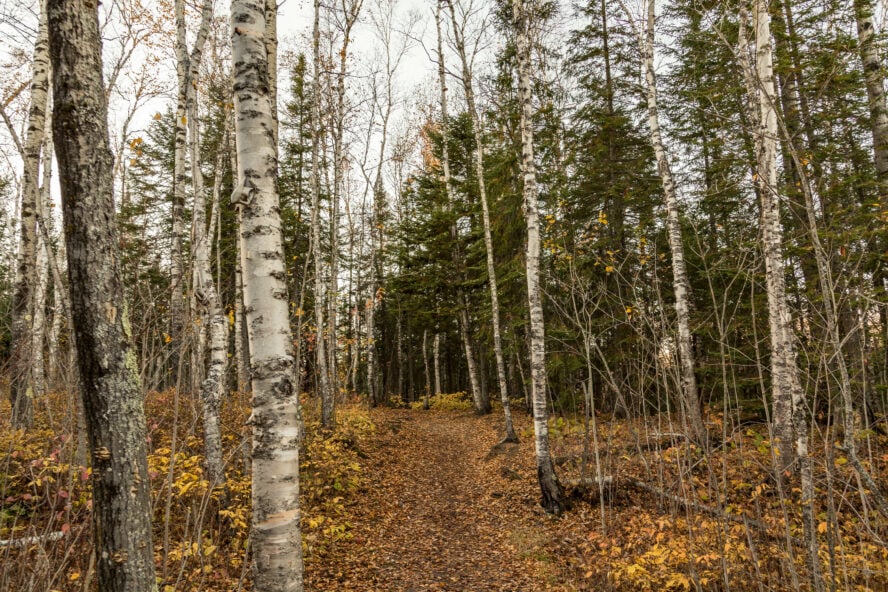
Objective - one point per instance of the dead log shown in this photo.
(33, 540)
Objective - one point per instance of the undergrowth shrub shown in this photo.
(200, 533)
(446, 402)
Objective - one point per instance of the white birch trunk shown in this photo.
(875, 89)
(789, 406)
(21, 393)
(187, 70)
(425, 363)
(320, 293)
(690, 400)
(209, 308)
(177, 263)
(276, 536)
(481, 405)
(38, 328)
(553, 498)
(241, 348)
(436, 357)
(468, 87)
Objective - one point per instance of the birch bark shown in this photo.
(112, 396)
(482, 405)
(553, 497)
(436, 357)
(320, 292)
(20, 390)
(875, 89)
(690, 398)
(209, 307)
(469, 89)
(276, 536)
(789, 406)
(187, 70)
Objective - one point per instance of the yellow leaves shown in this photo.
(609, 268)
(678, 581)
(157, 117)
(602, 218)
(184, 120)
(841, 461)
(230, 317)
(167, 338)
(73, 576)
(822, 527)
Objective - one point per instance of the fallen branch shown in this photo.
(603, 487)
(33, 540)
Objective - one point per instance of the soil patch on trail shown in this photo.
(443, 507)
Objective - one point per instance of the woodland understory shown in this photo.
(465, 295)
(399, 499)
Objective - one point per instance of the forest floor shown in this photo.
(413, 500)
(443, 508)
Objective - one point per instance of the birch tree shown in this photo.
(789, 405)
(482, 405)
(209, 305)
(112, 395)
(466, 62)
(187, 70)
(690, 399)
(276, 537)
(873, 71)
(20, 390)
(553, 497)
(325, 390)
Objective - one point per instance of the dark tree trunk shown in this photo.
(112, 396)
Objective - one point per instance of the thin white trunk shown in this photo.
(44, 205)
(177, 263)
(21, 393)
(209, 308)
(187, 70)
(241, 348)
(875, 89)
(480, 403)
(690, 400)
(468, 87)
(425, 363)
(436, 358)
(552, 494)
(789, 407)
(350, 12)
(328, 401)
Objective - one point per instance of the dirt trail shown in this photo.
(440, 511)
